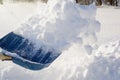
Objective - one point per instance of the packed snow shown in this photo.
(83, 59)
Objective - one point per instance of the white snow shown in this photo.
(100, 62)
(110, 24)
(11, 15)
(61, 23)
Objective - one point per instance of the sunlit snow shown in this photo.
(99, 61)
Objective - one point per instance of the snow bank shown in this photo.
(61, 23)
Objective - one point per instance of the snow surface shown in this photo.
(75, 63)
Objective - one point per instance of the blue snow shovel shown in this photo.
(23, 53)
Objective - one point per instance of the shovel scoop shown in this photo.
(22, 52)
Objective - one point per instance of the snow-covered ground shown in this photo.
(110, 24)
(74, 63)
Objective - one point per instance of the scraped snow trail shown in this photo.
(82, 60)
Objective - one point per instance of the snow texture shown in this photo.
(61, 23)
(75, 64)
(101, 65)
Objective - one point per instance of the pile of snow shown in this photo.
(103, 64)
(106, 63)
(61, 23)
(75, 63)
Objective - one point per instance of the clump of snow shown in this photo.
(88, 49)
(61, 23)
(106, 63)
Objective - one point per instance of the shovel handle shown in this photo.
(5, 57)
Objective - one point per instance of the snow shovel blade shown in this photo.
(29, 57)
